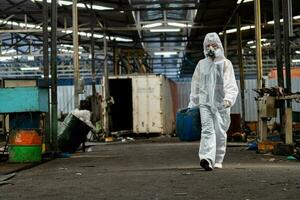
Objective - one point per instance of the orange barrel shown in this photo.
(25, 146)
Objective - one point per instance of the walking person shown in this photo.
(214, 90)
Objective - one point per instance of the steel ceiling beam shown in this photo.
(167, 2)
(232, 15)
(15, 5)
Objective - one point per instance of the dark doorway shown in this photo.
(121, 110)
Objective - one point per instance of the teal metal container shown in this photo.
(23, 99)
(25, 154)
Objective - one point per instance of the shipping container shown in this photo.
(142, 104)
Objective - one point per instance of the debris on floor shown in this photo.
(7, 177)
(291, 158)
(252, 146)
(187, 173)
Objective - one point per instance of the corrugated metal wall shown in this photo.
(184, 88)
(65, 96)
(183, 91)
(250, 103)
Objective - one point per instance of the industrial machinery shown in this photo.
(268, 101)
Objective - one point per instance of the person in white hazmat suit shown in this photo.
(214, 90)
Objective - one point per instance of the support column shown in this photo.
(241, 66)
(258, 43)
(261, 123)
(54, 75)
(115, 61)
(76, 54)
(287, 33)
(278, 52)
(287, 30)
(106, 90)
(94, 101)
(46, 73)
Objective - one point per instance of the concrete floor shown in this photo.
(156, 169)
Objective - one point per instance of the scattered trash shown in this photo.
(78, 174)
(122, 139)
(266, 146)
(272, 159)
(297, 153)
(7, 177)
(129, 138)
(291, 158)
(5, 182)
(252, 146)
(187, 173)
(238, 137)
(268, 154)
(84, 116)
(62, 155)
(63, 168)
(274, 138)
(284, 189)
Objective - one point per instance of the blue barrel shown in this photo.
(188, 124)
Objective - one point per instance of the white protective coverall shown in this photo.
(214, 90)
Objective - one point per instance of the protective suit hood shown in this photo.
(213, 39)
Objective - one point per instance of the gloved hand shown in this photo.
(226, 103)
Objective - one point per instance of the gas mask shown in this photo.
(211, 52)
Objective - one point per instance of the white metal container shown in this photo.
(152, 104)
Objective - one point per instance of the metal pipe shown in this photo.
(277, 35)
(232, 15)
(25, 21)
(76, 53)
(141, 3)
(278, 52)
(93, 57)
(258, 43)
(286, 5)
(46, 71)
(106, 89)
(95, 113)
(262, 125)
(129, 28)
(54, 75)
(115, 63)
(241, 65)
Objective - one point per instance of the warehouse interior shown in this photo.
(94, 97)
